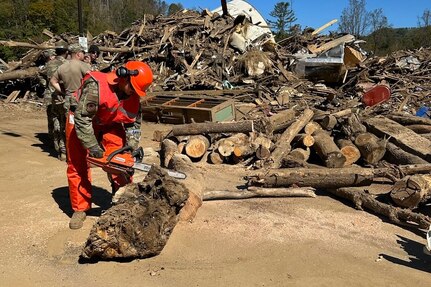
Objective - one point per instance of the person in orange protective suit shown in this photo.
(106, 102)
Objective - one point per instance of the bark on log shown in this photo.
(312, 127)
(371, 147)
(406, 120)
(32, 72)
(215, 158)
(420, 129)
(349, 150)
(197, 146)
(412, 190)
(167, 150)
(208, 128)
(259, 192)
(327, 150)
(329, 122)
(300, 154)
(396, 155)
(263, 152)
(277, 122)
(140, 224)
(283, 145)
(353, 127)
(306, 140)
(314, 177)
(397, 215)
(401, 136)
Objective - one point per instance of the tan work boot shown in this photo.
(77, 220)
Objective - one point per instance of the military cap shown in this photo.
(75, 48)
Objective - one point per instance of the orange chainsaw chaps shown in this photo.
(78, 168)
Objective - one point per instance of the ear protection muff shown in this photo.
(123, 72)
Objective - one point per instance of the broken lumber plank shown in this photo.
(282, 147)
(323, 27)
(401, 216)
(259, 192)
(331, 44)
(12, 96)
(401, 136)
(208, 128)
(411, 190)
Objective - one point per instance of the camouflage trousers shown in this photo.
(59, 133)
(50, 118)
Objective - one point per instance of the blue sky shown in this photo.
(315, 13)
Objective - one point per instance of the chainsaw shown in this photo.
(124, 161)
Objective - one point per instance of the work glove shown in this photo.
(96, 151)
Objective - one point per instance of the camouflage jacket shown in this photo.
(51, 96)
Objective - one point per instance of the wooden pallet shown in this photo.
(183, 109)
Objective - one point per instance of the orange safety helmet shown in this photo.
(143, 79)
(140, 75)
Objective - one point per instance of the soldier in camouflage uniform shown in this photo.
(96, 128)
(57, 102)
(49, 55)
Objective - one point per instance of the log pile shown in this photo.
(299, 130)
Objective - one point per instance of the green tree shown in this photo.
(174, 8)
(284, 16)
(378, 21)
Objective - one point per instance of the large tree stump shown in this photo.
(140, 224)
(410, 191)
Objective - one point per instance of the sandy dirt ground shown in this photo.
(255, 242)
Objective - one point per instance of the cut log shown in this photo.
(329, 122)
(331, 177)
(262, 152)
(405, 119)
(279, 121)
(397, 215)
(31, 72)
(259, 192)
(208, 128)
(371, 147)
(314, 177)
(420, 129)
(140, 224)
(412, 190)
(427, 136)
(215, 158)
(225, 147)
(282, 147)
(167, 150)
(401, 136)
(197, 146)
(306, 140)
(327, 150)
(353, 127)
(312, 127)
(300, 154)
(396, 155)
(349, 150)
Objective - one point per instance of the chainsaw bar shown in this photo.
(146, 168)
